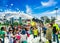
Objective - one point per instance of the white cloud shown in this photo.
(49, 3)
(16, 15)
(58, 18)
(28, 10)
(39, 7)
(48, 13)
(46, 4)
(12, 4)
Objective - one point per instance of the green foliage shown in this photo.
(53, 19)
(15, 23)
(45, 19)
(42, 18)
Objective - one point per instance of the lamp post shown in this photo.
(56, 11)
(40, 31)
(4, 19)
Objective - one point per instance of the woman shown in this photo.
(2, 34)
(17, 36)
(10, 35)
(49, 33)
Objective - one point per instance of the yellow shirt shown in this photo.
(57, 27)
(35, 32)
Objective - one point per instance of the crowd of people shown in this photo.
(52, 32)
(19, 34)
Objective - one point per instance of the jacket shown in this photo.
(49, 33)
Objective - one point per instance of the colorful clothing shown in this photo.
(2, 33)
(35, 32)
(10, 37)
(18, 37)
(57, 27)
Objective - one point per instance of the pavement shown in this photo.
(36, 40)
(33, 40)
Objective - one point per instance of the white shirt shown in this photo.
(23, 37)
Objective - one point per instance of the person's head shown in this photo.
(19, 26)
(2, 28)
(17, 31)
(23, 32)
(41, 24)
(51, 24)
(15, 27)
(31, 28)
(48, 25)
(34, 27)
(10, 30)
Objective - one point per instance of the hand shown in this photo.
(56, 32)
(42, 31)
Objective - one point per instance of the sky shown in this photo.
(35, 8)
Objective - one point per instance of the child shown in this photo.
(35, 32)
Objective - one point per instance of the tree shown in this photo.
(15, 23)
(42, 18)
(45, 19)
(53, 19)
(7, 22)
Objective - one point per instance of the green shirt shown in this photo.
(2, 33)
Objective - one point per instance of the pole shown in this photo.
(56, 11)
(40, 32)
(56, 14)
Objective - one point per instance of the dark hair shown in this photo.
(54, 27)
(16, 29)
(51, 24)
(2, 28)
(35, 27)
(23, 32)
(31, 28)
(10, 29)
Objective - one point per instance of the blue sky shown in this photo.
(35, 8)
